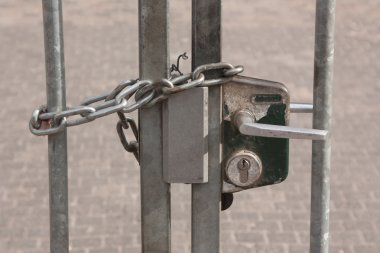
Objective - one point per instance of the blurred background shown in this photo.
(274, 40)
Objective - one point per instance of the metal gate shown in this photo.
(154, 64)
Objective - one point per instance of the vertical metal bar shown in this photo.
(155, 193)
(57, 143)
(321, 154)
(206, 45)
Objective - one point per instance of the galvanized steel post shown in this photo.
(155, 193)
(57, 143)
(206, 48)
(323, 80)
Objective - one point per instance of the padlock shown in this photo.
(185, 130)
(256, 133)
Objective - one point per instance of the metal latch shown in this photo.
(245, 122)
(257, 132)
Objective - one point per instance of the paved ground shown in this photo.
(273, 40)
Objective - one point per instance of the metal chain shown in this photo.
(146, 93)
(125, 123)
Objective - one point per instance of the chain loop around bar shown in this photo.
(146, 93)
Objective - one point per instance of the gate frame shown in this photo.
(153, 64)
(155, 193)
(57, 143)
(205, 198)
(322, 118)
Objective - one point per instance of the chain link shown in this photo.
(125, 123)
(146, 93)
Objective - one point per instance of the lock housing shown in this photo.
(268, 102)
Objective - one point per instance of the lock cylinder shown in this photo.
(243, 168)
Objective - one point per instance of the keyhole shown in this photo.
(243, 167)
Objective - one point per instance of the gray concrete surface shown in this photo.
(273, 39)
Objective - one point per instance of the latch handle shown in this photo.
(245, 122)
